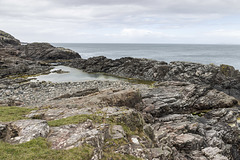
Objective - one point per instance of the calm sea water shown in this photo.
(200, 53)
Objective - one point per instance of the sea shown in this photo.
(199, 53)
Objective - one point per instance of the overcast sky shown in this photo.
(122, 21)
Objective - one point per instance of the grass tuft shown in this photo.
(13, 113)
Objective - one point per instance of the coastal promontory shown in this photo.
(176, 111)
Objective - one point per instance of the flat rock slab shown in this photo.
(59, 113)
(88, 104)
(180, 97)
(100, 99)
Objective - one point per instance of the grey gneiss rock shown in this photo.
(69, 136)
(163, 122)
(192, 136)
(125, 67)
(224, 78)
(45, 51)
(18, 60)
(114, 119)
(181, 97)
(15, 66)
(25, 130)
(7, 40)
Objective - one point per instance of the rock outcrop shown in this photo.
(7, 40)
(224, 78)
(45, 51)
(183, 116)
(25, 130)
(181, 97)
(173, 120)
(18, 60)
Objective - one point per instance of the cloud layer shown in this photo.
(135, 21)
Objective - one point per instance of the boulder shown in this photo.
(25, 130)
(70, 136)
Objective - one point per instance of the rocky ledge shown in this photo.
(18, 60)
(224, 78)
(191, 112)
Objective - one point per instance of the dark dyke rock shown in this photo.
(18, 60)
(45, 51)
(12, 65)
(124, 67)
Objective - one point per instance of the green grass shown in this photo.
(96, 119)
(76, 119)
(13, 113)
(39, 149)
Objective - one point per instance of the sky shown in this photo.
(122, 21)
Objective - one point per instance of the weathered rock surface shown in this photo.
(120, 128)
(17, 60)
(181, 97)
(39, 93)
(12, 65)
(58, 109)
(70, 136)
(45, 51)
(7, 40)
(25, 130)
(125, 67)
(184, 116)
(224, 78)
(196, 137)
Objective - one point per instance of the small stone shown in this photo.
(118, 132)
(135, 140)
(211, 152)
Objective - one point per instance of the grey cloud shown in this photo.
(72, 16)
(165, 6)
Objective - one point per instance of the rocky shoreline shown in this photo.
(191, 112)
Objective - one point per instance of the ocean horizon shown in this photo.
(199, 53)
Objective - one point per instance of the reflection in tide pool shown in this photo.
(73, 75)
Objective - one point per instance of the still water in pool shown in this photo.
(73, 75)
